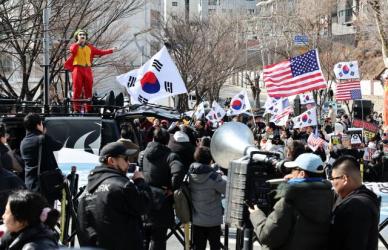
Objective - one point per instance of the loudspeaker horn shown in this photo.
(231, 141)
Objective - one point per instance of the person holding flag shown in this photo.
(80, 63)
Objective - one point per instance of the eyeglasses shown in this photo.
(331, 178)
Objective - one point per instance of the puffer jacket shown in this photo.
(110, 209)
(37, 237)
(164, 172)
(206, 186)
(300, 219)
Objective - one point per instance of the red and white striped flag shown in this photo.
(314, 141)
(348, 91)
(295, 76)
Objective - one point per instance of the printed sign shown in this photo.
(369, 126)
(301, 40)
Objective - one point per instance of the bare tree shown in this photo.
(206, 53)
(21, 35)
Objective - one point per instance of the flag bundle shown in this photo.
(348, 91)
(216, 113)
(156, 79)
(239, 104)
(297, 75)
(306, 119)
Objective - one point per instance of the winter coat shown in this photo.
(355, 222)
(5, 158)
(164, 172)
(110, 209)
(38, 237)
(300, 219)
(8, 183)
(29, 149)
(206, 187)
(185, 151)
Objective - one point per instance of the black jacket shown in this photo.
(38, 237)
(185, 150)
(5, 158)
(29, 149)
(110, 209)
(358, 154)
(163, 170)
(300, 219)
(355, 222)
(8, 182)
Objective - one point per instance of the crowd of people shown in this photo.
(322, 203)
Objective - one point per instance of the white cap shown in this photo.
(180, 136)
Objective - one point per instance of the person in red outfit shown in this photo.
(79, 63)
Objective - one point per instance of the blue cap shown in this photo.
(308, 161)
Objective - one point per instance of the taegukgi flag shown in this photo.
(216, 113)
(271, 105)
(200, 110)
(157, 78)
(306, 98)
(306, 119)
(346, 70)
(239, 103)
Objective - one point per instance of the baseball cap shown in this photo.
(307, 161)
(180, 136)
(115, 149)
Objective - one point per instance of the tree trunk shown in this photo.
(380, 28)
(181, 103)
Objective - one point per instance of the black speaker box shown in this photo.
(362, 108)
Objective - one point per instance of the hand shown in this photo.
(113, 49)
(137, 174)
(287, 177)
(254, 209)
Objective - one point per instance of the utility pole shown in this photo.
(46, 51)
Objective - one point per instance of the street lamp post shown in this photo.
(46, 50)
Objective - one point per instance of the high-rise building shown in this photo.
(203, 9)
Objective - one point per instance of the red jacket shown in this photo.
(94, 52)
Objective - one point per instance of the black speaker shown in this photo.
(297, 110)
(362, 108)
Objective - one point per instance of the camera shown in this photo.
(249, 185)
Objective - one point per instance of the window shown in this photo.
(174, 3)
(213, 2)
(251, 11)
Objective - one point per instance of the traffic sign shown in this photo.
(301, 40)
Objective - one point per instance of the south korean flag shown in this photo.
(158, 78)
(239, 104)
(306, 119)
(216, 113)
(306, 98)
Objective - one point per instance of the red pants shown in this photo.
(82, 81)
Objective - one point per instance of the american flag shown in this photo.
(294, 76)
(314, 141)
(348, 91)
(286, 109)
